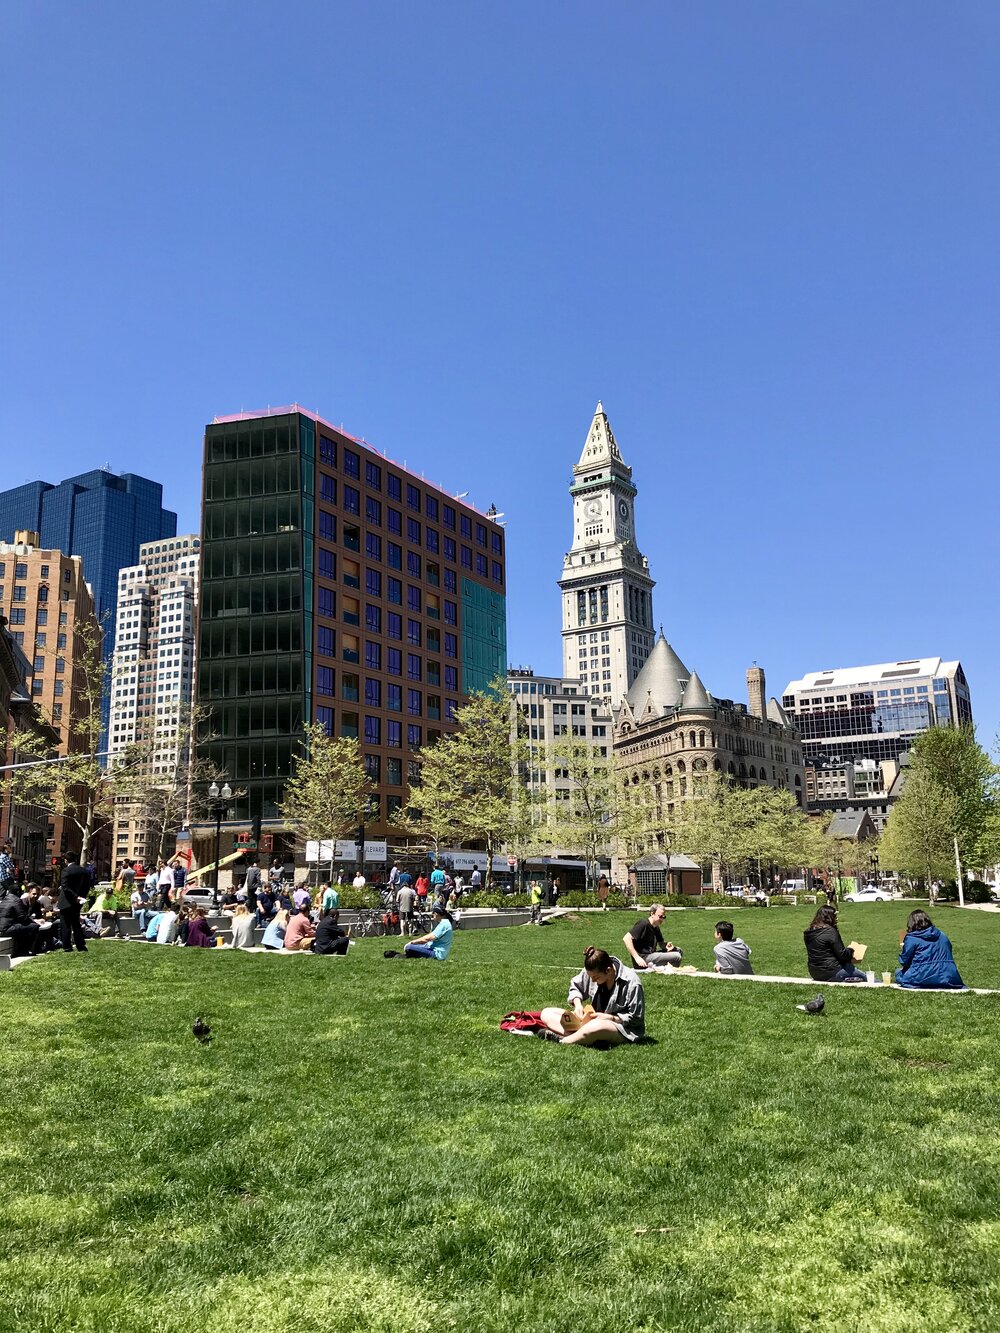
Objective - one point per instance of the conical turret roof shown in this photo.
(662, 677)
(600, 446)
(695, 694)
(776, 713)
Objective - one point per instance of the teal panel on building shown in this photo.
(484, 636)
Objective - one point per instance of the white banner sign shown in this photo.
(343, 850)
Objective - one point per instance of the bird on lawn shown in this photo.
(813, 1006)
(202, 1031)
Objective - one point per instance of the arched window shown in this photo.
(701, 740)
(717, 765)
(700, 765)
(691, 739)
(753, 772)
(656, 774)
(681, 766)
(732, 769)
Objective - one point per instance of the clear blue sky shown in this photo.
(764, 234)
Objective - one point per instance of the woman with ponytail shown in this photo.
(606, 1004)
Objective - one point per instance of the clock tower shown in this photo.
(607, 609)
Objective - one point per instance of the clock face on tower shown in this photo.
(593, 509)
(623, 508)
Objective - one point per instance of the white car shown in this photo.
(868, 893)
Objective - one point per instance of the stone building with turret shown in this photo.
(670, 731)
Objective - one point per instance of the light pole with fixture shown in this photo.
(219, 799)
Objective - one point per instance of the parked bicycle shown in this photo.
(369, 922)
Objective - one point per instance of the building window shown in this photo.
(450, 581)
(394, 591)
(497, 544)
(451, 645)
(413, 598)
(373, 583)
(394, 625)
(324, 681)
(413, 564)
(413, 667)
(352, 464)
(413, 531)
(324, 716)
(414, 703)
(349, 687)
(373, 767)
(413, 632)
(395, 554)
(373, 618)
(414, 735)
(325, 641)
(395, 523)
(466, 557)
(394, 772)
(497, 572)
(327, 489)
(431, 539)
(373, 546)
(327, 526)
(373, 655)
(20, 571)
(450, 550)
(394, 698)
(373, 476)
(451, 678)
(352, 500)
(394, 487)
(20, 593)
(393, 734)
(450, 612)
(373, 692)
(394, 661)
(373, 511)
(326, 564)
(481, 565)
(413, 498)
(326, 602)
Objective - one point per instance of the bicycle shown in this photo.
(369, 923)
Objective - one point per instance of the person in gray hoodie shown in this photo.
(731, 956)
(615, 994)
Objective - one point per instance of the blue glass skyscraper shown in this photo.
(101, 517)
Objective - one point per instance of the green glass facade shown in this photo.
(340, 588)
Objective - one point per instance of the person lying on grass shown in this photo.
(925, 959)
(606, 1002)
(732, 957)
(645, 942)
(828, 957)
(435, 944)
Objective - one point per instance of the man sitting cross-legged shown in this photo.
(645, 941)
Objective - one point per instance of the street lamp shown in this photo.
(874, 861)
(219, 799)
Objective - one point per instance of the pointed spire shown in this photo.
(662, 678)
(776, 713)
(600, 446)
(695, 694)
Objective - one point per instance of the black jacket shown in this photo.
(327, 934)
(13, 912)
(74, 886)
(826, 953)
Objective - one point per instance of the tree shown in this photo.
(432, 812)
(920, 831)
(159, 777)
(327, 795)
(476, 772)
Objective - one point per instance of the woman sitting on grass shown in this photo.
(242, 928)
(274, 935)
(828, 957)
(607, 1004)
(200, 934)
(925, 959)
(436, 944)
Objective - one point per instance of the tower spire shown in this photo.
(600, 447)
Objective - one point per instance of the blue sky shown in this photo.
(764, 235)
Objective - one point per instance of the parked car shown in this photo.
(197, 896)
(868, 893)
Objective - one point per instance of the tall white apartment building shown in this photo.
(153, 669)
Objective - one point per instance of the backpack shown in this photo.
(522, 1022)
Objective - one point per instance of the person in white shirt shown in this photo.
(167, 931)
(165, 884)
(359, 881)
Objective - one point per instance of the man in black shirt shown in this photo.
(73, 890)
(329, 936)
(645, 942)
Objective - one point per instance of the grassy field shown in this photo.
(360, 1148)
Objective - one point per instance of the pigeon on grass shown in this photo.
(812, 1006)
(202, 1031)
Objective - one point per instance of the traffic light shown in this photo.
(256, 830)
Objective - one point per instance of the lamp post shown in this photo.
(220, 800)
(875, 868)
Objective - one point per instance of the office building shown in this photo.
(152, 681)
(554, 709)
(336, 586)
(857, 722)
(50, 612)
(607, 609)
(100, 517)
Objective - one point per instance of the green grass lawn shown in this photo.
(360, 1148)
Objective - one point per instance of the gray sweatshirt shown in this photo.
(733, 957)
(627, 998)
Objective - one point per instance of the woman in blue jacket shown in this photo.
(925, 961)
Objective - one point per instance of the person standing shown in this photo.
(405, 898)
(536, 903)
(603, 889)
(8, 880)
(438, 883)
(393, 876)
(422, 887)
(359, 881)
(252, 884)
(475, 880)
(276, 874)
(331, 899)
(74, 886)
(165, 886)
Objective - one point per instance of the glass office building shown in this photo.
(875, 712)
(338, 587)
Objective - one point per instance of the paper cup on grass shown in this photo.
(870, 976)
(886, 978)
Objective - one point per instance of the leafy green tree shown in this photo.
(433, 812)
(327, 795)
(920, 831)
(477, 772)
